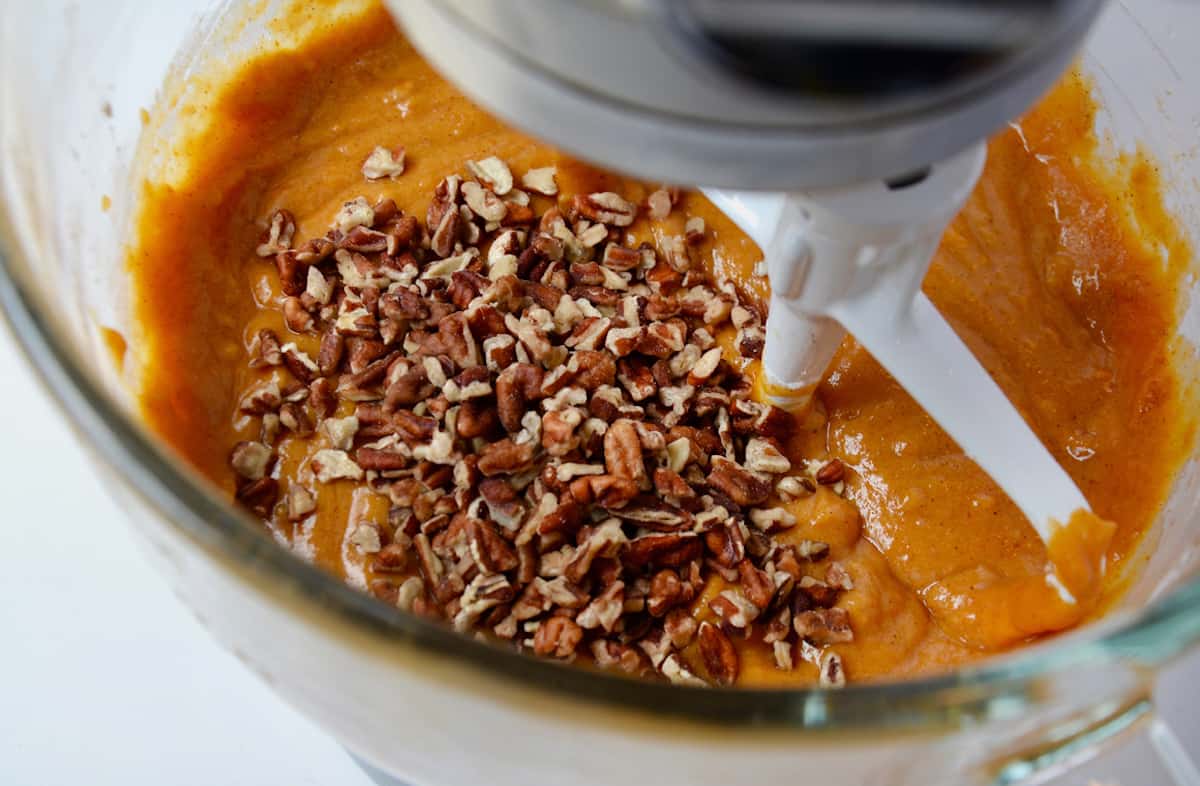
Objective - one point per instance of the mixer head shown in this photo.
(763, 94)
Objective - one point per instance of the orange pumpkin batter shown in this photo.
(1050, 274)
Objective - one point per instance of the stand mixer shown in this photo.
(842, 137)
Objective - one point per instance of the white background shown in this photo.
(105, 677)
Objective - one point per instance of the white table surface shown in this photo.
(105, 677)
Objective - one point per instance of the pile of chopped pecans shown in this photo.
(568, 456)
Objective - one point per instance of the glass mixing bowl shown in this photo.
(408, 695)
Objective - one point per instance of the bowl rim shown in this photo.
(999, 685)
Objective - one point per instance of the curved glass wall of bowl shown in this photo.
(852, 259)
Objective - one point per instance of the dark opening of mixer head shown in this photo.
(857, 49)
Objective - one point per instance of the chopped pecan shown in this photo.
(558, 431)
(734, 609)
(662, 339)
(831, 472)
(594, 369)
(726, 544)
(300, 502)
(392, 558)
(264, 350)
(321, 397)
(299, 364)
(493, 173)
(503, 503)
(620, 259)
(770, 520)
(606, 208)
(410, 388)
(636, 378)
(383, 163)
(751, 341)
(278, 236)
(364, 240)
(663, 550)
(666, 592)
(541, 181)
(756, 585)
(293, 276)
(380, 460)
(659, 204)
(557, 637)
(613, 654)
(720, 657)
(680, 627)
(830, 670)
(671, 484)
(605, 610)
(516, 387)
(752, 417)
(476, 418)
(838, 577)
(250, 460)
(601, 541)
(740, 485)
(484, 203)
(623, 451)
(259, 496)
(606, 491)
(491, 552)
(505, 457)
(824, 626)
(329, 357)
(762, 455)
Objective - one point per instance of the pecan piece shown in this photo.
(720, 657)
(662, 339)
(333, 347)
(379, 460)
(279, 234)
(666, 592)
(250, 460)
(491, 552)
(763, 455)
(833, 471)
(321, 397)
(383, 163)
(726, 543)
(595, 369)
(605, 610)
(669, 550)
(680, 627)
(264, 350)
(606, 491)
(293, 278)
(259, 496)
(557, 637)
(392, 558)
(756, 585)
(493, 173)
(824, 626)
(606, 208)
(623, 451)
(659, 204)
(515, 388)
(505, 458)
(743, 487)
(541, 181)
(671, 484)
(832, 673)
